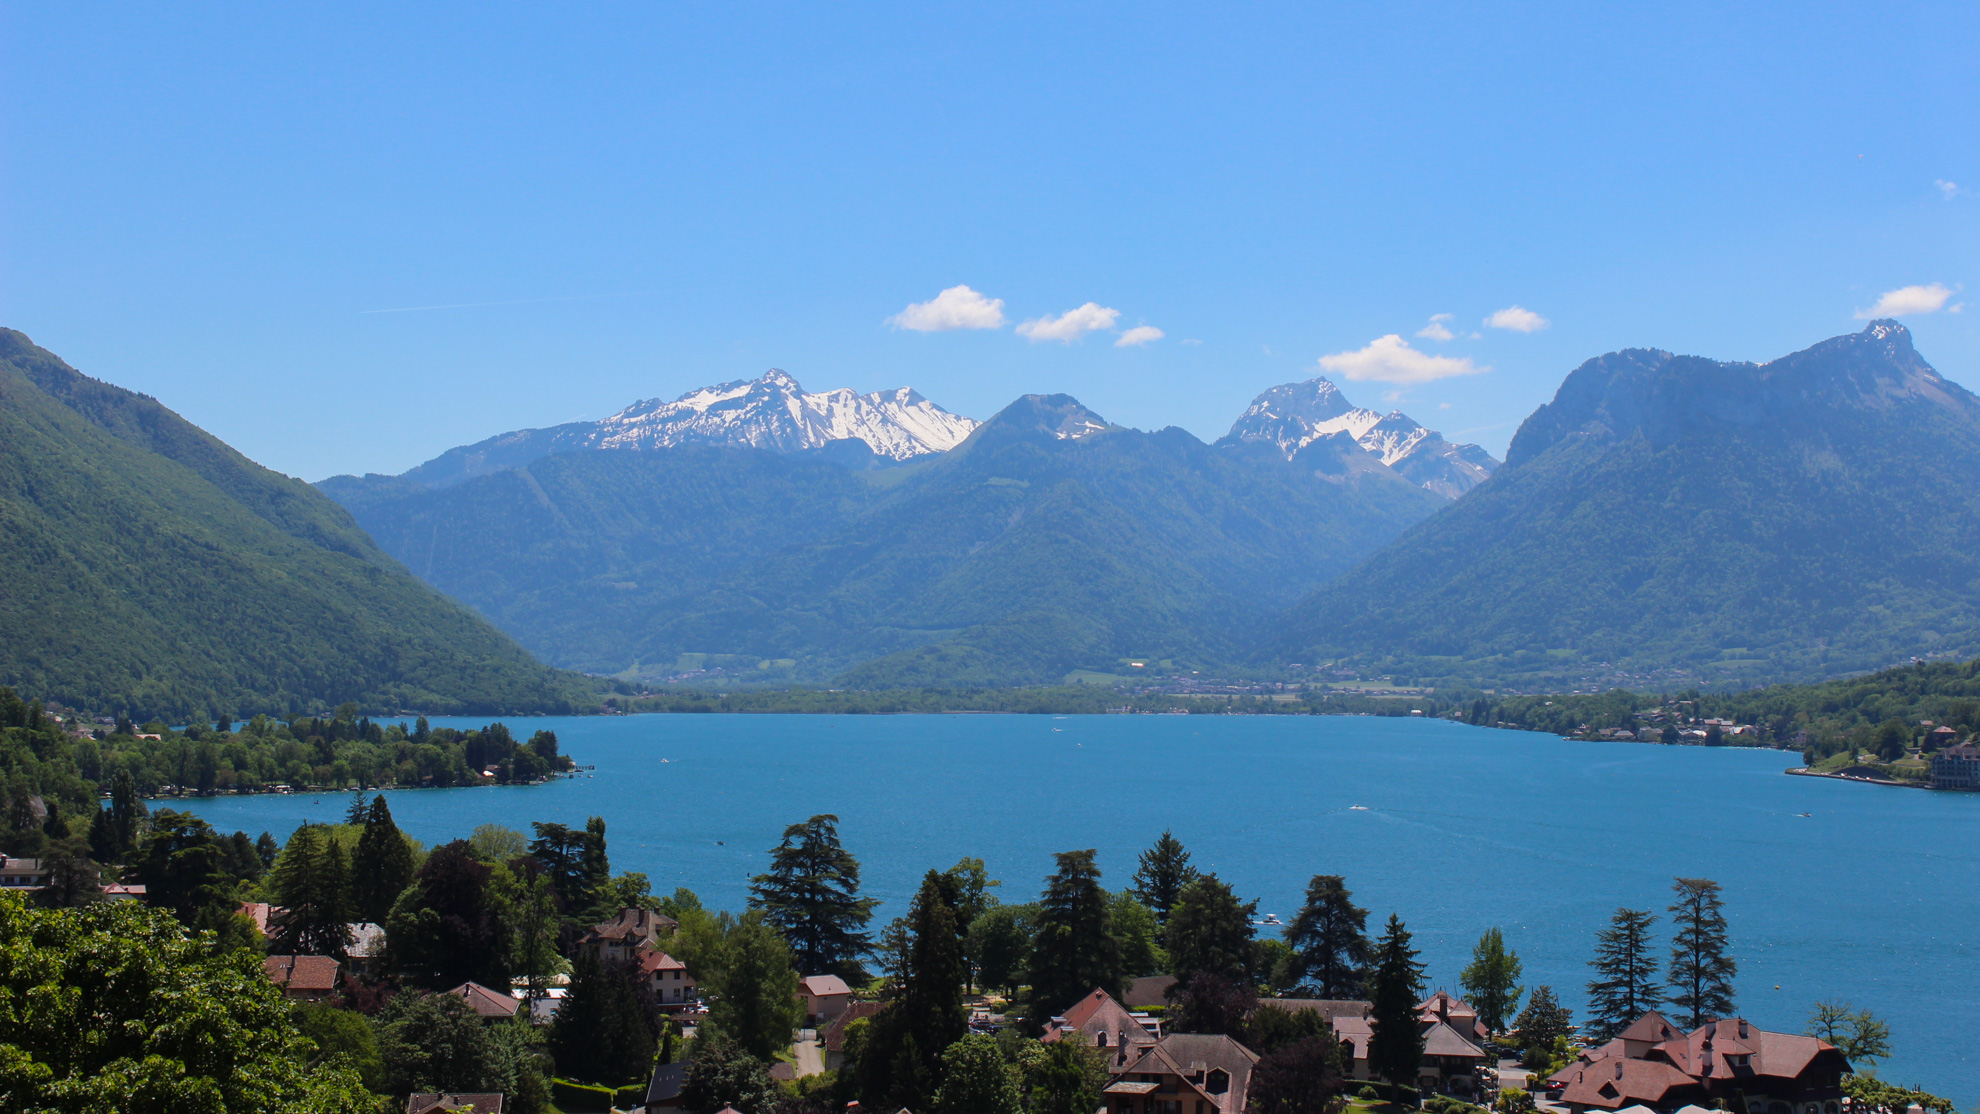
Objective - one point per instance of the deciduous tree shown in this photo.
(444, 928)
(1543, 1022)
(976, 1080)
(1302, 1078)
(1859, 1035)
(1491, 980)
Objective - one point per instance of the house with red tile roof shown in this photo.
(824, 996)
(673, 985)
(833, 1036)
(1098, 1021)
(1655, 1064)
(303, 978)
(616, 940)
(1184, 1073)
(487, 1003)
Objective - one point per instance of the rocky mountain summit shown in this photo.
(1292, 416)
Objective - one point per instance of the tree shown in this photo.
(183, 866)
(1859, 1035)
(1491, 980)
(1395, 1051)
(493, 843)
(436, 1042)
(1329, 938)
(601, 1035)
(1626, 987)
(381, 866)
(342, 1037)
(1701, 971)
(1073, 951)
(973, 886)
(1302, 1078)
(1163, 873)
(1543, 1022)
(976, 1080)
(72, 881)
(527, 909)
(930, 983)
(721, 1074)
(1212, 1002)
(811, 895)
(1066, 1077)
(576, 862)
(1209, 932)
(312, 883)
(114, 1006)
(1270, 1028)
(1135, 933)
(444, 929)
(756, 1002)
(999, 945)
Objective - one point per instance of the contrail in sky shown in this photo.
(511, 302)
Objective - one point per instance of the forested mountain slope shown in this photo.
(1807, 517)
(151, 569)
(1048, 540)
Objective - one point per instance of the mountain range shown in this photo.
(152, 570)
(1803, 518)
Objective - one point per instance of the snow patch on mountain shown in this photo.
(1293, 415)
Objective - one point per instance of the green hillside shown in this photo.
(152, 570)
(1012, 559)
(1804, 518)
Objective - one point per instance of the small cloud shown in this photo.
(1518, 320)
(1437, 329)
(1139, 335)
(1443, 406)
(1268, 350)
(1390, 359)
(958, 307)
(1948, 190)
(1190, 341)
(1070, 325)
(1907, 300)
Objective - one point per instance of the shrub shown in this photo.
(581, 1098)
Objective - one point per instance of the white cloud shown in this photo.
(1437, 329)
(1070, 325)
(1908, 300)
(1390, 359)
(1949, 189)
(1189, 340)
(1518, 320)
(1139, 335)
(958, 307)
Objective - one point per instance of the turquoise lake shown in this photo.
(1871, 897)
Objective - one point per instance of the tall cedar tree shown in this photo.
(443, 930)
(1301, 1078)
(1395, 1051)
(1074, 951)
(313, 885)
(577, 865)
(931, 992)
(1626, 968)
(1209, 932)
(811, 895)
(381, 866)
(1491, 980)
(1329, 939)
(1701, 971)
(1541, 1023)
(1164, 871)
(756, 991)
(601, 1035)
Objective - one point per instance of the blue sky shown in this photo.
(218, 205)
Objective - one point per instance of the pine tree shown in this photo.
(312, 883)
(1164, 871)
(1074, 951)
(1395, 1051)
(354, 813)
(1209, 932)
(1329, 938)
(931, 998)
(1491, 980)
(811, 895)
(381, 866)
(601, 1034)
(1541, 1023)
(1627, 987)
(1701, 971)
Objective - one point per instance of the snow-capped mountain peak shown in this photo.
(774, 412)
(1293, 415)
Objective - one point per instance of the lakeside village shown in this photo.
(509, 975)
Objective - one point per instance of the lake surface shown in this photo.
(1871, 897)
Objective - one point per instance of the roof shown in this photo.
(652, 959)
(487, 1002)
(643, 924)
(1149, 990)
(667, 1081)
(1652, 1027)
(302, 972)
(1124, 1087)
(1687, 1066)
(23, 866)
(1778, 1055)
(820, 986)
(1614, 1082)
(1100, 1022)
(1190, 1055)
(1442, 1040)
(480, 1104)
(834, 1035)
(261, 913)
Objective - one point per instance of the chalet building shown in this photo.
(673, 986)
(824, 997)
(303, 978)
(1184, 1073)
(616, 940)
(22, 874)
(1957, 767)
(428, 1103)
(487, 1003)
(1098, 1021)
(1721, 1063)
